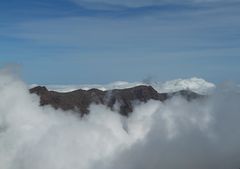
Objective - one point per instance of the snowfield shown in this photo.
(194, 84)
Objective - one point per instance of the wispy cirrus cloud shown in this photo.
(121, 4)
(162, 36)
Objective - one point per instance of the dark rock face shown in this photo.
(79, 100)
(126, 97)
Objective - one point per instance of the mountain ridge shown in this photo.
(80, 100)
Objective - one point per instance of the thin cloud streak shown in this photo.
(123, 4)
(190, 30)
(155, 40)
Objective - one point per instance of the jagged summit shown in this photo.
(80, 100)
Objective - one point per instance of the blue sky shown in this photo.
(100, 41)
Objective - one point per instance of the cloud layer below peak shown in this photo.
(176, 134)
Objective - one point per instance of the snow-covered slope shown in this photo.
(194, 84)
(114, 85)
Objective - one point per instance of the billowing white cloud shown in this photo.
(198, 136)
(174, 135)
(41, 137)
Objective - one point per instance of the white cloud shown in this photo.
(196, 135)
(36, 137)
(175, 134)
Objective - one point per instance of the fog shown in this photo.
(176, 134)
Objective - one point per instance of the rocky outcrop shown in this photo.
(79, 100)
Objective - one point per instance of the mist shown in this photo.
(176, 134)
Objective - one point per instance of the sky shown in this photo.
(100, 41)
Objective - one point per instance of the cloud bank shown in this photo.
(173, 135)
